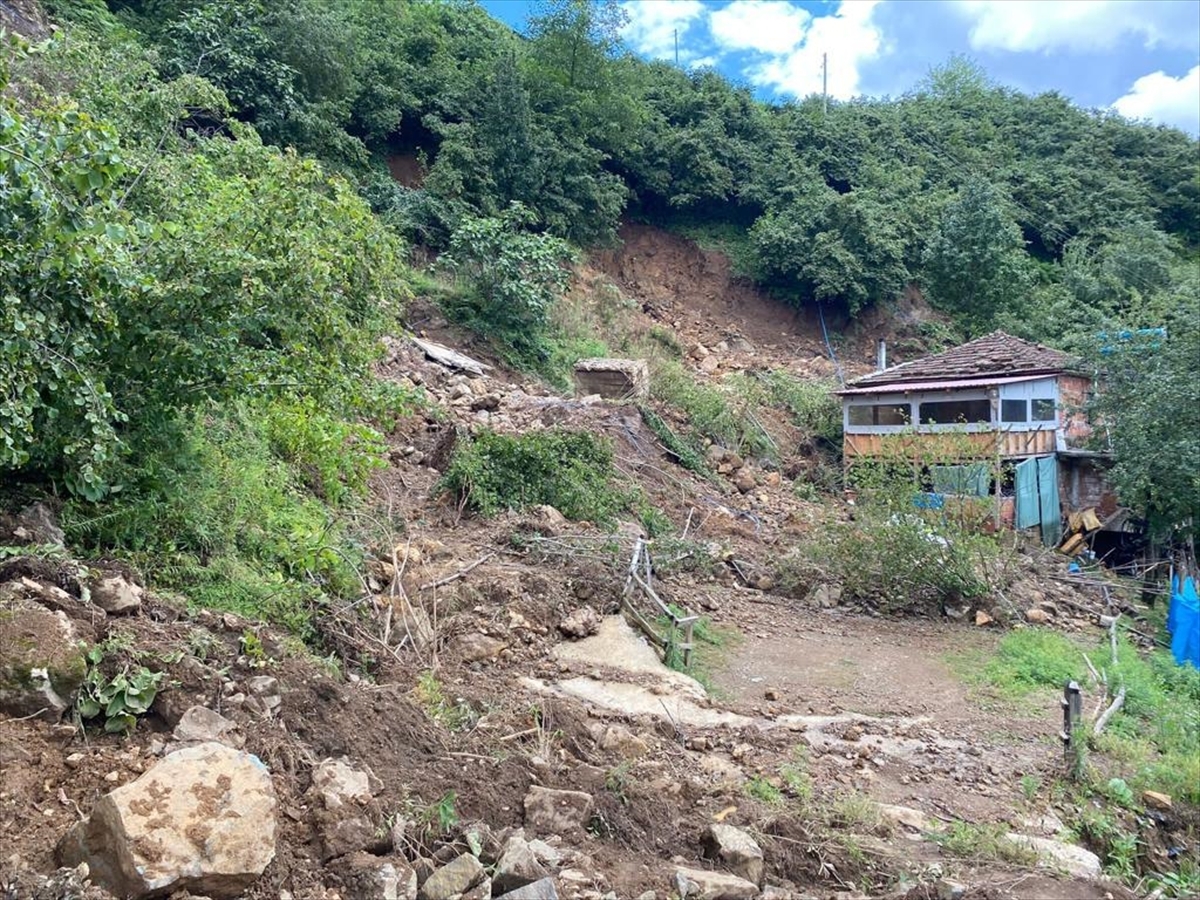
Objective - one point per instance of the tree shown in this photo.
(975, 264)
(1150, 403)
(505, 132)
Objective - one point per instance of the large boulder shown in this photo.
(736, 850)
(542, 889)
(201, 820)
(549, 811)
(116, 596)
(518, 865)
(1057, 855)
(42, 663)
(700, 884)
(453, 880)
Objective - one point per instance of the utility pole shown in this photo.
(824, 84)
(677, 48)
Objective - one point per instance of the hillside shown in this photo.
(316, 570)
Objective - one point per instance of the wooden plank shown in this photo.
(451, 359)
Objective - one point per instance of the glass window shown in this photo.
(1014, 411)
(1043, 410)
(955, 412)
(879, 414)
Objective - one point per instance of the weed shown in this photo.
(719, 414)
(1116, 847)
(969, 841)
(438, 818)
(201, 643)
(796, 776)
(763, 790)
(1179, 885)
(667, 340)
(1119, 793)
(251, 647)
(685, 451)
(856, 810)
(706, 638)
(571, 471)
(617, 780)
(1030, 785)
(121, 698)
(456, 716)
(1030, 659)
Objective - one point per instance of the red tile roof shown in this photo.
(995, 354)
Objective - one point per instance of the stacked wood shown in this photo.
(1079, 526)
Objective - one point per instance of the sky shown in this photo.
(1139, 57)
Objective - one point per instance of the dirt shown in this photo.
(874, 703)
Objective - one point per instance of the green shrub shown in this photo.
(336, 457)
(719, 413)
(569, 470)
(1030, 659)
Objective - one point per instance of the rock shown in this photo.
(518, 865)
(1057, 855)
(744, 480)
(550, 518)
(368, 877)
(486, 403)
(949, 890)
(982, 618)
(852, 733)
(827, 595)
(709, 365)
(36, 524)
(200, 725)
(699, 884)
(116, 596)
(623, 742)
(549, 811)
(201, 820)
(542, 889)
(476, 647)
(580, 623)
(736, 850)
(699, 351)
(345, 814)
(1155, 800)
(1037, 616)
(265, 690)
(42, 664)
(771, 695)
(453, 880)
(909, 818)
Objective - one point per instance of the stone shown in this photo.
(200, 725)
(201, 820)
(771, 695)
(698, 351)
(453, 880)
(542, 889)
(982, 618)
(709, 365)
(518, 865)
(116, 596)
(42, 663)
(947, 889)
(36, 524)
(264, 689)
(549, 811)
(1037, 616)
(907, 817)
(700, 884)
(1057, 855)
(744, 480)
(827, 595)
(624, 743)
(476, 647)
(367, 877)
(345, 814)
(1155, 800)
(734, 849)
(580, 623)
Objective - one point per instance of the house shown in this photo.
(1002, 416)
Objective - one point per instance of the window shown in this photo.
(862, 414)
(956, 412)
(1043, 410)
(1014, 411)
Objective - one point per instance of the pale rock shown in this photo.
(542, 889)
(1155, 800)
(201, 820)
(518, 865)
(200, 725)
(982, 618)
(709, 364)
(549, 811)
(948, 889)
(453, 880)
(1037, 616)
(1057, 855)
(476, 647)
(736, 850)
(345, 814)
(42, 663)
(116, 596)
(623, 742)
(368, 877)
(36, 524)
(580, 623)
(744, 480)
(700, 884)
(909, 818)
(827, 595)
(699, 351)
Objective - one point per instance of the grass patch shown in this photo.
(1031, 659)
(984, 842)
(718, 413)
(764, 791)
(708, 643)
(569, 470)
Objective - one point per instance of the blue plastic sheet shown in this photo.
(1183, 621)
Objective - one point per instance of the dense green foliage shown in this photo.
(569, 470)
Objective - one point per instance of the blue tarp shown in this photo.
(1183, 621)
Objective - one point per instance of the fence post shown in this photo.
(1072, 708)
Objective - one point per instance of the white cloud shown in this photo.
(1161, 98)
(849, 38)
(1031, 25)
(768, 26)
(653, 24)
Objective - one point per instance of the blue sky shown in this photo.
(1140, 57)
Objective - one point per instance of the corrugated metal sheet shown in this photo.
(905, 387)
